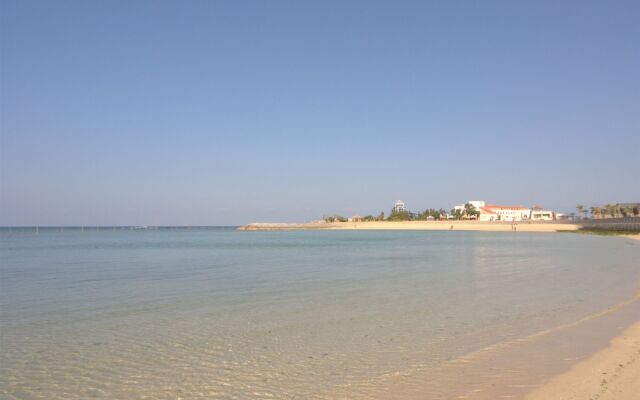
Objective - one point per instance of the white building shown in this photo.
(492, 212)
(399, 206)
(488, 215)
(504, 213)
(477, 204)
(539, 214)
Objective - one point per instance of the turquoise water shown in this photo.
(217, 313)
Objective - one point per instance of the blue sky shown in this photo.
(230, 112)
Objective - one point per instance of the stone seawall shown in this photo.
(629, 224)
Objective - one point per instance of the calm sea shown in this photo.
(217, 313)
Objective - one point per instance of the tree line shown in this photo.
(469, 212)
(609, 211)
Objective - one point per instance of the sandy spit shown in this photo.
(635, 237)
(421, 225)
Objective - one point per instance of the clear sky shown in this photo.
(211, 112)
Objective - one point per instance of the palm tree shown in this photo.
(596, 212)
(470, 210)
(580, 208)
(609, 210)
(616, 211)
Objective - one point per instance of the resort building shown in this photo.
(488, 215)
(492, 212)
(477, 204)
(504, 213)
(399, 206)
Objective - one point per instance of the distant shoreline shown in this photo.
(501, 226)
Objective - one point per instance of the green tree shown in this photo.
(470, 210)
(334, 218)
(430, 212)
(619, 211)
(326, 218)
(399, 216)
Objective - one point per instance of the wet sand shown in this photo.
(534, 367)
(611, 374)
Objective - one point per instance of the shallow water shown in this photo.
(217, 313)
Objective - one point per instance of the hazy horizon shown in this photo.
(219, 113)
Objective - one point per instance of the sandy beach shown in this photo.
(611, 374)
(550, 226)
(575, 361)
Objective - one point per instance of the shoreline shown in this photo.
(633, 237)
(498, 226)
(612, 373)
(571, 361)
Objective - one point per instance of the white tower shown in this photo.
(399, 206)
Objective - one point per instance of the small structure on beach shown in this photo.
(540, 214)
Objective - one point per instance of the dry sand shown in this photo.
(611, 374)
(636, 236)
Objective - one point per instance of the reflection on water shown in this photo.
(223, 314)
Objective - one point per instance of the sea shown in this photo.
(217, 313)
